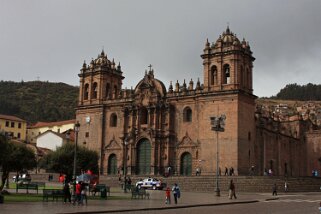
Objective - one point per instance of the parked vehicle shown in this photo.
(22, 178)
(152, 183)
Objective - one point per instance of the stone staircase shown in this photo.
(206, 183)
(243, 183)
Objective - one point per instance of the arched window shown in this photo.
(113, 120)
(86, 92)
(226, 70)
(213, 75)
(108, 91)
(95, 90)
(187, 114)
(143, 116)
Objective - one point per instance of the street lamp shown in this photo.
(76, 129)
(217, 125)
(125, 164)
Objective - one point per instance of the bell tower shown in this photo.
(101, 80)
(228, 64)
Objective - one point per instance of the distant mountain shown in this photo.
(298, 92)
(38, 101)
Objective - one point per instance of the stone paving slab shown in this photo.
(156, 201)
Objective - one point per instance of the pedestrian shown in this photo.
(83, 194)
(168, 196)
(198, 172)
(66, 190)
(232, 190)
(176, 192)
(286, 186)
(226, 171)
(78, 193)
(274, 189)
(231, 171)
(169, 169)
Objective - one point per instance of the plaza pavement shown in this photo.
(156, 202)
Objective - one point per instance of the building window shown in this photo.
(213, 75)
(12, 124)
(19, 125)
(87, 134)
(95, 88)
(249, 136)
(7, 123)
(113, 120)
(115, 91)
(187, 114)
(143, 116)
(86, 93)
(242, 76)
(227, 77)
(18, 136)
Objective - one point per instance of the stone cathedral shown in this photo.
(148, 128)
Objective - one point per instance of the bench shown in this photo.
(140, 193)
(99, 188)
(40, 184)
(33, 186)
(55, 194)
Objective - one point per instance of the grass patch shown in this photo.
(20, 197)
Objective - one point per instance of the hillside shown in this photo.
(297, 92)
(38, 101)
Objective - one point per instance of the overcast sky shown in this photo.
(49, 40)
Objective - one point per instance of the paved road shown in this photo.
(287, 204)
(188, 203)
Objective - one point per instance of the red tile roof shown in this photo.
(9, 117)
(50, 124)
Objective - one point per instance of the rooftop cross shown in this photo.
(150, 67)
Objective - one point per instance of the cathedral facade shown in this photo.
(144, 130)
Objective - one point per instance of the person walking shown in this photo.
(176, 192)
(78, 193)
(168, 196)
(66, 190)
(274, 189)
(83, 193)
(286, 186)
(232, 190)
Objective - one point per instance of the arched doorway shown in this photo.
(112, 165)
(186, 164)
(143, 157)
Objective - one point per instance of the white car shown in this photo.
(153, 183)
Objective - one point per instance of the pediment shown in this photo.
(187, 142)
(113, 145)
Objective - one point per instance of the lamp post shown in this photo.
(217, 125)
(125, 164)
(76, 129)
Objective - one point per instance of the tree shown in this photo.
(62, 160)
(14, 158)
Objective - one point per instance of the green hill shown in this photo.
(38, 101)
(298, 92)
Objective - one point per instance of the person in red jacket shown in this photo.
(78, 192)
(168, 196)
